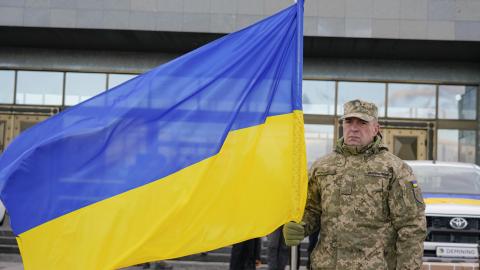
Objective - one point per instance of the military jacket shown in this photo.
(369, 209)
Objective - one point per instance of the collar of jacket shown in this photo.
(373, 148)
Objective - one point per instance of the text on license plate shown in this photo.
(458, 252)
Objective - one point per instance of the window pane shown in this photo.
(318, 97)
(319, 140)
(411, 100)
(371, 92)
(7, 82)
(117, 79)
(39, 87)
(457, 102)
(456, 145)
(82, 86)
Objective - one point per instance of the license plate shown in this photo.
(457, 252)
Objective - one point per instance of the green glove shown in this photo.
(293, 233)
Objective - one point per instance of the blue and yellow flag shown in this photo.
(199, 153)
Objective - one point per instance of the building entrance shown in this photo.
(407, 144)
(409, 141)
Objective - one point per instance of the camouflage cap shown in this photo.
(360, 109)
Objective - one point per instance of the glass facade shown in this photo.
(318, 97)
(319, 141)
(39, 88)
(457, 102)
(322, 99)
(54, 88)
(82, 86)
(411, 100)
(456, 145)
(117, 79)
(7, 84)
(371, 92)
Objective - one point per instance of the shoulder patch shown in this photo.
(414, 183)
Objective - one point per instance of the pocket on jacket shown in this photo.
(374, 259)
(370, 203)
(323, 255)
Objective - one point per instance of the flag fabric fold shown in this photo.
(199, 153)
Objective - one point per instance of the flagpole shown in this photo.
(294, 249)
(294, 256)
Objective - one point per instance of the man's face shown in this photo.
(359, 132)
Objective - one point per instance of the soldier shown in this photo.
(364, 200)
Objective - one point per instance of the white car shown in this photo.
(452, 195)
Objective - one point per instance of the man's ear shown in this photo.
(377, 127)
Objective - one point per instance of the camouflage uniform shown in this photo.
(370, 211)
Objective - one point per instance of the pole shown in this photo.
(293, 262)
(294, 249)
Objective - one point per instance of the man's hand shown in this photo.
(293, 233)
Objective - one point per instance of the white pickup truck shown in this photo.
(452, 195)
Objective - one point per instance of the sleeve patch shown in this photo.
(414, 183)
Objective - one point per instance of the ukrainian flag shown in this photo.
(202, 152)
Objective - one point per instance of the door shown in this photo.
(407, 144)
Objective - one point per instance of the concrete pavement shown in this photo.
(14, 262)
(177, 265)
(189, 265)
(10, 262)
(11, 266)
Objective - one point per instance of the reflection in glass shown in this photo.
(456, 145)
(117, 79)
(318, 97)
(445, 178)
(82, 86)
(411, 100)
(457, 102)
(371, 92)
(319, 140)
(7, 82)
(39, 87)
(466, 146)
